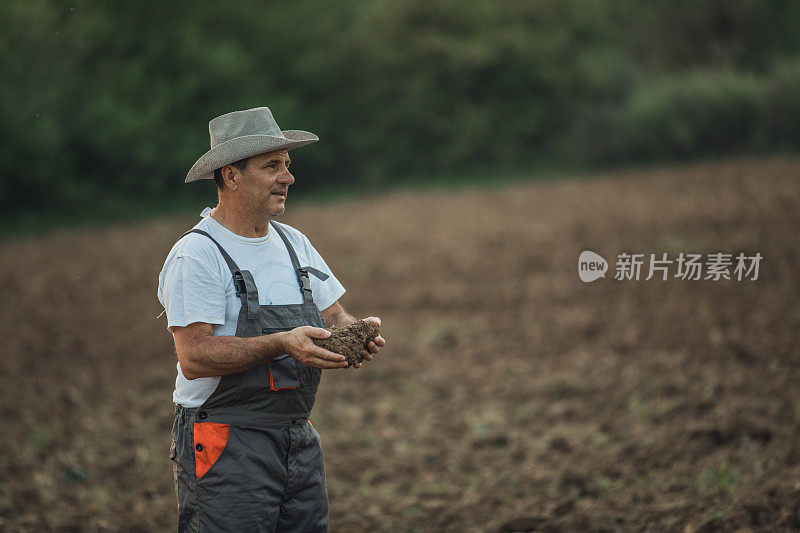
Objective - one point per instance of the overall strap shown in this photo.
(231, 263)
(320, 274)
(302, 273)
(247, 292)
(243, 281)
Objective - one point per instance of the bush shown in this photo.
(780, 111)
(698, 113)
(684, 116)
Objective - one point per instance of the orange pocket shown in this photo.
(209, 441)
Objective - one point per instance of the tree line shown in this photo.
(109, 101)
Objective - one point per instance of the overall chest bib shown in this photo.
(282, 386)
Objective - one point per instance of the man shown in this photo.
(244, 297)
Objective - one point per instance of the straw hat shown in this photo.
(242, 134)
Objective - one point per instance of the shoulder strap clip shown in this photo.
(238, 283)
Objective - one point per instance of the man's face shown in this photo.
(265, 183)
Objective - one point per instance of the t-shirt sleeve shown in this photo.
(327, 292)
(192, 292)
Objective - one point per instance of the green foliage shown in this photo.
(730, 34)
(694, 114)
(780, 108)
(109, 102)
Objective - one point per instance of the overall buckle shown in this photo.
(305, 282)
(238, 284)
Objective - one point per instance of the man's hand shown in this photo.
(374, 345)
(298, 344)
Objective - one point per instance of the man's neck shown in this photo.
(241, 223)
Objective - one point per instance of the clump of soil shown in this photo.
(350, 340)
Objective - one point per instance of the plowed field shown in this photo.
(511, 396)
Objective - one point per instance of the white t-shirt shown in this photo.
(196, 285)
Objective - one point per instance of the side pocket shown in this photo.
(315, 433)
(210, 440)
(283, 374)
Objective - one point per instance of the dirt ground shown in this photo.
(511, 396)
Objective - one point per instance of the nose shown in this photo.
(286, 177)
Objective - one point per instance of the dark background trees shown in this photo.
(108, 103)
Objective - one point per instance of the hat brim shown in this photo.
(244, 147)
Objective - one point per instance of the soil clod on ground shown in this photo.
(350, 340)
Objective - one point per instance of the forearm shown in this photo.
(221, 355)
(339, 318)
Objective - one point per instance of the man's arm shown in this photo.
(335, 315)
(202, 354)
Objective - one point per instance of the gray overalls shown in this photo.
(248, 459)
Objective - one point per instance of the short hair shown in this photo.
(241, 165)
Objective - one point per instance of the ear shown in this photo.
(229, 176)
